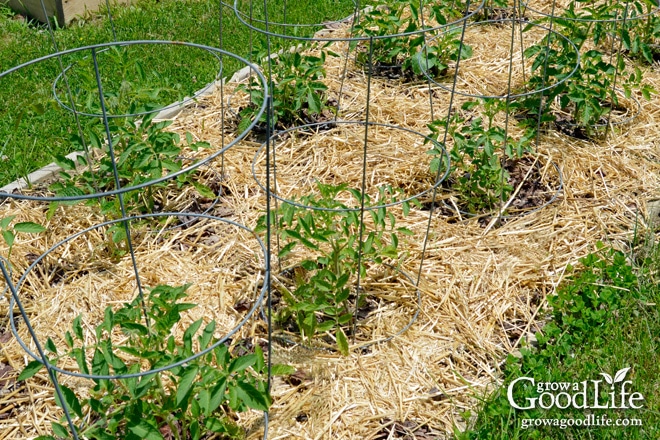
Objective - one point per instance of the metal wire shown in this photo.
(207, 159)
(452, 88)
(310, 346)
(247, 22)
(439, 179)
(182, 103)
(15, 300)
(552, 16)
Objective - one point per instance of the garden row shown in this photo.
(341, 241)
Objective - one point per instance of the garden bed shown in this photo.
(482, 290)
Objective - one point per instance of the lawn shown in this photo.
(173, 71)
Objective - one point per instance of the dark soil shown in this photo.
(321, 122)
(533, 194)
(496, 14)
(569, 126)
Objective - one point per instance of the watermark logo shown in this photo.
(588, 394)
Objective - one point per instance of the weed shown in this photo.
(600, 323)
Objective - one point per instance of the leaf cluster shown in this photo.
(640, 36)
(189, 401)
(143, 151)
(408, 51)
(319, 301)
(299, 93)
(479, 151)
(590, 94)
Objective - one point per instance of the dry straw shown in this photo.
(483, 290)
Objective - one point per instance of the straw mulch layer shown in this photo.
(483, 286)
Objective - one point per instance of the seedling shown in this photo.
(144, 151)
(589, 96)
(299, 94)
(189, 402)
(477, 157)
(640, 36)
(406, 55)
(321, 296)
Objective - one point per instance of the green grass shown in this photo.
(34, 128)
(604, 319)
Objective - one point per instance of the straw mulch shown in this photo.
(483, 287)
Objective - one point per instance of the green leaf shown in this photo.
(185, 385)
(342, 342)
(9, 237)
(65, 163)
(325, 326)
(134, 328)
(345, 318)
(99, 365)
(60, 430)
(242, 363)
(203, 190)
(71, 400)
(30, 370)
(282, 370)
(190, 332)
(215, 425)
(4, 223)
(77, 327)
(195, 431)
(144, 430)
(252, 397)
(287, 249)
(79, 355)
(207, 334)
(50, 346)
(217, 396)
(68, 339)
(259, 353)
(204, 400)
(29, 227)
(314, 102)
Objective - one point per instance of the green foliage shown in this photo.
(640, 36)
(128, 85)
(320, 299)
(477, 156)
(599, 322)
(9, 232)
(191, 401)
(299, 94)
(170, 20)
(402, 17)
(589, 96)
(144, 151)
